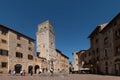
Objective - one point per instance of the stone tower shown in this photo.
(46, 41)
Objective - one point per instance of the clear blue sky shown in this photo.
(73, 20)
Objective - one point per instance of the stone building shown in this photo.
(79, 60)
(116, 42)
(108, 61)
(96, 48)
(46, 43)
(75, 59)
(46, 48)
(103, 55)
(16, 51)
(111, 47)
(62, 62)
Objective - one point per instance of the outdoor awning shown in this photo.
(84, 68)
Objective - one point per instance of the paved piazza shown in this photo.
(59, 77)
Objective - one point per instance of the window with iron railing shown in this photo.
(3, 52)
(97, 41)
(4, 64)
(117, 50)
(105, 52)
(117, 34)
(4, 41)
(30, 57)
(18, 37)
(19, 55)
(29, 48)
(18, 45)
(105, 40)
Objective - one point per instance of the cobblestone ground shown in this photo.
(59, 77)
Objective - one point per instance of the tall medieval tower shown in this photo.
(46, 41)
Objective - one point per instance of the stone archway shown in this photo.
(18, 68)
(36, 68)
(117, 66)
(30, 68)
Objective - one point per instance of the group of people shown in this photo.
(22, 72)
(12, 72)
(40, 71)
(43, 71)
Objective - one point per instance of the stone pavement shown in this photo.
(59, 77)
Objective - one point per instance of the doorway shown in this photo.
(36, 68)
(18, 68)
(30, 68)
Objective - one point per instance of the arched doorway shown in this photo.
(36, 67)
(117, 66)
(30, 68)
(18, 68)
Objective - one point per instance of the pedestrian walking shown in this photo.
(31, 72)
(51, 71)
(21, 72)
(9, 71)
(40, 71)
(13, 72)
